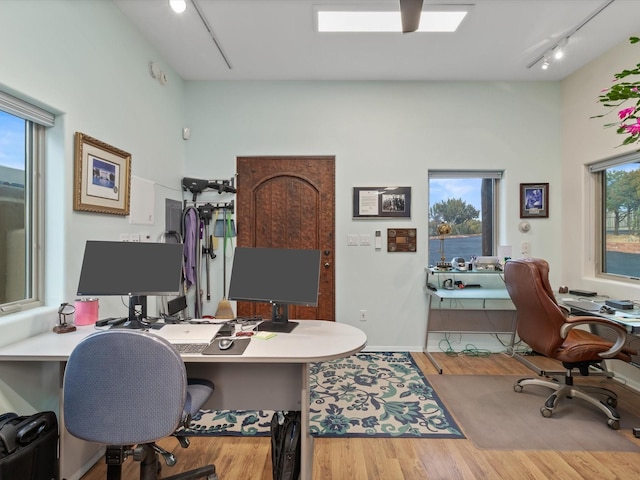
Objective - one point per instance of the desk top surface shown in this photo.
(472, 293)
(630, 319)
(310, 341)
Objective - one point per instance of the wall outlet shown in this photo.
(135, 237)
(363, 315)
(125, 237)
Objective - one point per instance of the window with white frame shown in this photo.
(467, 201)
(618, 216)
(22, 131)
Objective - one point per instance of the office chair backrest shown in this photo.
(539, 316)
(123, 387)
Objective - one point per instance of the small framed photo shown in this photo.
(534, 200)
(381, 202)
(102, 177)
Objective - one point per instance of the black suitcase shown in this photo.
(285, 445)
(29, 446)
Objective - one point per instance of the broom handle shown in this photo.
(224, 257)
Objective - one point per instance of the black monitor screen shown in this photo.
(130, 268)
(276, 275)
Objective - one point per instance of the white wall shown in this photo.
(86, 63)
(585, 141)
(388, 133)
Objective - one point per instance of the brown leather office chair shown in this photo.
(550, 331)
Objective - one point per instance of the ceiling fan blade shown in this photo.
(410, 11)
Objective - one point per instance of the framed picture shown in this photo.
(102, 177)
(534, 200)
(381, 202)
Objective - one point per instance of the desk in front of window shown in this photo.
(630, 319)
(487, 309)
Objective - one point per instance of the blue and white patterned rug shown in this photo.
(364, 395)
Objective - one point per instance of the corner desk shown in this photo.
(271, 374)
(485, 309)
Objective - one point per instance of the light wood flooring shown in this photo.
(395, 459)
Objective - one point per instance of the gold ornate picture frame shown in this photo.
(102, 177)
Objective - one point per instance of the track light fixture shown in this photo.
(557, 50)
(545, 63)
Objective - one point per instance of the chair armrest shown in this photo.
(620, 331)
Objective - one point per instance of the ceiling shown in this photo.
(276, 40)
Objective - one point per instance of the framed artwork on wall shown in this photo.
(534, 200)
(102, 177)
(381, 202)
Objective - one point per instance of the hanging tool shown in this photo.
(205, 213)
(224, 307)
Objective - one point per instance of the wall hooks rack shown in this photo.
(197, 186)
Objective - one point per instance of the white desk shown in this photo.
(270, 374)
(491, 298)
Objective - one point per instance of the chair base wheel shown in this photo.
(546, 412)
(613, 424)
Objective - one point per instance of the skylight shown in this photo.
(377, 21)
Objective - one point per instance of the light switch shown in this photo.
(365, 239)
(353, 239)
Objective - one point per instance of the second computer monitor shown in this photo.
(280, 276)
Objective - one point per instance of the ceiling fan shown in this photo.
(410, 11)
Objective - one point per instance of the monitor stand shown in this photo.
(279, 322)
(137, 312)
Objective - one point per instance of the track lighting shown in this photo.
(557, 51)
(178, 6)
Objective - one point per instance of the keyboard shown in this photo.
(190, 347)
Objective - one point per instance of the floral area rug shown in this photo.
(364, 395)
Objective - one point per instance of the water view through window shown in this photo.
(466, 203)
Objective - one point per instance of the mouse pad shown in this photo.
(238, 347)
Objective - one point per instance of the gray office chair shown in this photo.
(127, 389)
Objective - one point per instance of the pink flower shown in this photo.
(626, 112)
(633, 129)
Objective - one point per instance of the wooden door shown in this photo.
(289, 202)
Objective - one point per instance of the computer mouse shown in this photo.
(225, 343)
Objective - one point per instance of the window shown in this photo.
(618, 215)
(467, 201)
(22, 130)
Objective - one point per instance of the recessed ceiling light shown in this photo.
(178, 6)
(378, 21)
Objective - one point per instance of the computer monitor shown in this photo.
(136, 269)
(279, 276)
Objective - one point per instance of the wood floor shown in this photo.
(409, 459)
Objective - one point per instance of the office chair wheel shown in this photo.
(613, 424)
(612, 402)
(546, 412)
(517, 388)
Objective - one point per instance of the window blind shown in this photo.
(496, 174)
(25, 110)
(633, 157)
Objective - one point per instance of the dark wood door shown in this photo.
(289, 202)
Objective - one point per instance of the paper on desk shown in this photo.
(264, 335)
